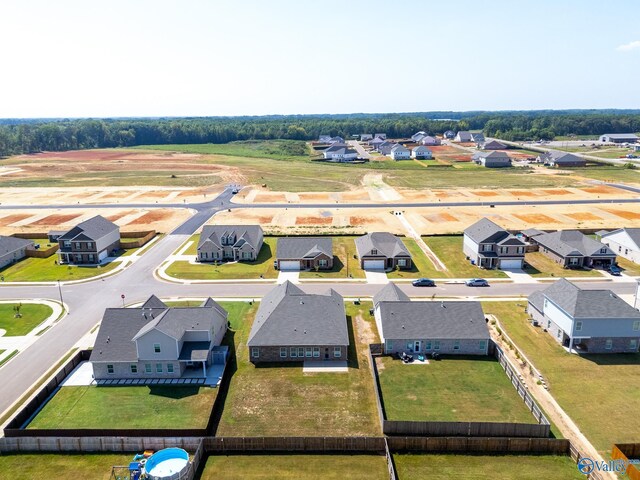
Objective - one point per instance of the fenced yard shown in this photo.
(47, 465)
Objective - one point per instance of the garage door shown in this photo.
(102, 255)
(506, 264)
(374, 264)
(290, 265)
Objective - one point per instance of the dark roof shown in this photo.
(621, 136)
(387, 244)
(303, 247)
(560, 157)
(154, 302)
(211, 236)
(195, 351)
(532, 232)
(289, 316)
(492, 155)
(11, 244)
(91, 229)
(572, 243)
(582, 303)
(494, 144)
(433, 320)
(390, 293)
(486, 231)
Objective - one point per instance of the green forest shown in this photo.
(35, 135)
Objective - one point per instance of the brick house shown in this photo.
(230, 243)
(574, 249)
(382, 250)
(304, 253)
(89, 242)
(490, 246)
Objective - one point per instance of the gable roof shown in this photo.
(288, 316)
(303, 247)
(91, 229)
(621, 136)
(420, 148)
(579, 303)
(399, 148)
(532, 232)
(494, 144)
(633, 233)
(486, 231)
(559, 157)
(340, 151)
(434, 320)
(11, 244)
(492, 155)
(386, 243)
(572, 243)
(251, 234)
(464, 136)
(153, 302)
(390, 293)
(477, 136)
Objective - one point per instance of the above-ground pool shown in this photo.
(169, 463)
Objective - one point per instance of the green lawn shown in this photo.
(45, 465)
(344, 250)
(448, 248)
(629, 267)
(299, 467)
(611, 152)
(274, 149)
(609, 174)
(46, 270)
(455, 389)
(249, 270)
(486, 467)
(601, 393)
(155, 406)
(33, 314)
(421, 265)
(193, 248)
(280, 400)
(542, 266)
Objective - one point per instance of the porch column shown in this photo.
(204, 368)
(570, 344)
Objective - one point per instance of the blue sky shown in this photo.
(222, 57)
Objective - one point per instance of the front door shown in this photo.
(416, 346)
(326, 354)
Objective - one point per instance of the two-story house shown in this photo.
(89, 242)
(589, 321)
(155, 341)
(490, 246)
(230, 243)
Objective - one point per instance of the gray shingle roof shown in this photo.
(390, 293)
(303, 247)
(387, 245)
(560, 157)
(492, 154)
(580, 303)
(91, 229)
(464, 136)
(212, 235)
(486, 231)
(154, 302)
(494, 144)
(11, 244)
(572, 243)
(634, 234)
(532, 232)
(433, 320)
(289, 316)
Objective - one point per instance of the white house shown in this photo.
(338, 153)
(625, 242)
(400, 153)
(421, 152)
(429, 140)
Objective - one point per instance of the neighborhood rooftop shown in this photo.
(242, 233)
(484, 230)
(304, 247)
(386, 243)
(390, 293)
(10, 244)
(570, 242)
(91, 229)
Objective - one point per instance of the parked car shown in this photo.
(615, 270)
(477, 282)
(423, 282)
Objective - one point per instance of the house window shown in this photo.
(246, 255)
(374, 252)
(573, 261)
(308, 352)
(78, 245)
(548, 324)
(337, 352)
(482, 345)
(608, 344)
(283, 352)
(158, 368)
(626, 251)
(316, 352)
(619, 248)
(293, 352)
(486, 248)
(520, 250)
(389, 345)
(633, 344)
(559, 333)
(503, 249)
(110, 369)
(456, 345)
(578, 326)
(169, 367)
(402, 262)
(147, 368)
(156, 348)
(89, 245)
(323, 262)
(67, 243)
(255, 353)
(91, 257)
(603, 250)
(134, 368)
(427, 344)
(300, 352)
(636, 325)
(436, 345)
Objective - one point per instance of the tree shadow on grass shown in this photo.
(352, 355)
(223, 388)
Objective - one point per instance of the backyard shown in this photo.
(448, 248)
(344, 250)
(47, 465)
(542, 266)
(280, 399)
(421, 265)
(454, 389)
(33, 314)
(605, 415)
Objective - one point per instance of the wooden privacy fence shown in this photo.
(96, 444)
(552, 446)
(294, 444)
(41, 252)
(627, 451)
(141, 239)
(465, 429)
(576, 456)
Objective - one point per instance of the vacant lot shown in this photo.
(280, 400)
(455, 389)
(155, 406)
(345, 263)
(299, 467)
(485, 467)
(45, 465)
(47, 270)
(33, 314)
(601, 393)
(542, 266)
(448, 248)
(421, 266)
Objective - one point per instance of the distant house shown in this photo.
(557, 158)
(13, 249)
(383, 136)
(463, 136)
(573, 249)
(416, 137)
(375, 142)
(337, 140)
(230, 243)
(429, 140)
(155, 341)
(339, 153)
(490, 246)
(494, 145)
(365, 137)
(294, 326)
(619, 138)
(385, 147)
(382, 250)
(324, 138)
(304, 253)
(492, 159)
(449, 134)
(625, 242)
(421, 152)
(451, 328)
(591, 321)
(400, 152)
(477, 137)
(89, 242)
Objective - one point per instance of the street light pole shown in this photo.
(60, 292)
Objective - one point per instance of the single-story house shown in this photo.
(293, 326)
(494, 145)
(385, 147)
(383, 136)
(324, 138)
(375, 142)
(477, 137)
(492, 159)
(416, 137)
(625, 242)
(429, 140)
(304, 253)
(449, 134)
(339, 153)
(155, 341)
(382, 250)
(590, 321)
(557, 158)
(421, 152)
(619, 138)
(13, 249)
(230, 243)
(488, 245)
(365, 137)
(89, 242)
(400, 152)
(463, 136)
(337, 139)
(573, 249)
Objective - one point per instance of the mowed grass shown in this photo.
(228, 270)
(281, 400)
(47, 465)
(541, 265)
(608, 174)
(155, 406)
(275, 149)
(448, 248)
(46, 270)
(454, 389)
(33, 314)
(601, 393)
(485, 467)
(421, 266)
(344, 250)
(299, 467)
(629, 267)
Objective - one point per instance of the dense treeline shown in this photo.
(34, 135)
